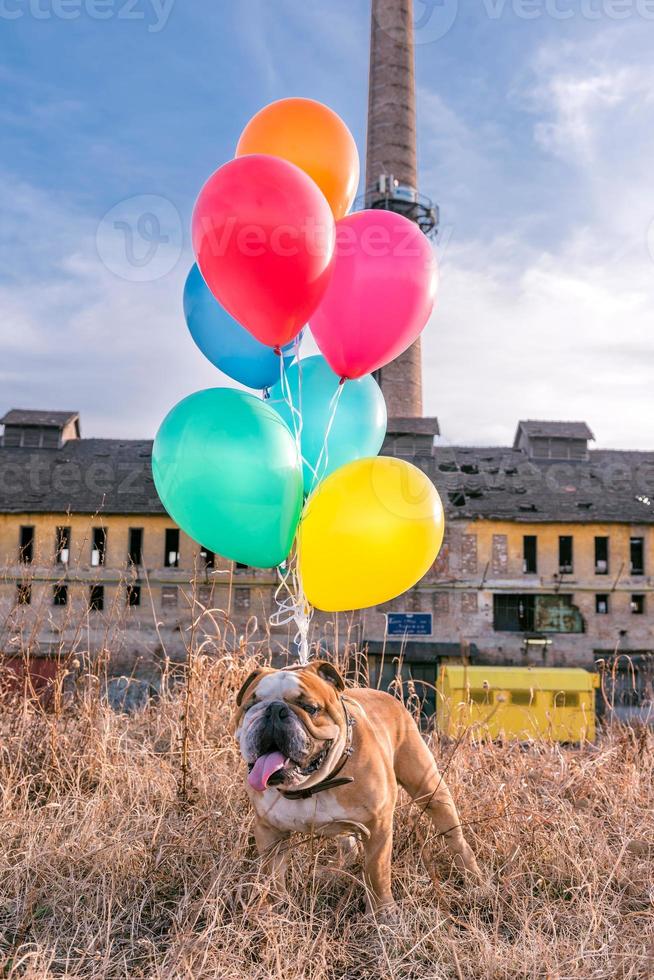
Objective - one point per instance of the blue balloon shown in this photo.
(228, 345)
(359, 422)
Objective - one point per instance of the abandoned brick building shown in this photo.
(548, 556)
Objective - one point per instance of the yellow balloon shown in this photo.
(370, 531)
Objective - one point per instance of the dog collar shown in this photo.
(330, 782)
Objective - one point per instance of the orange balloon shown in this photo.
(315, 139)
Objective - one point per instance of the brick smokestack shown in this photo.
(392, 150)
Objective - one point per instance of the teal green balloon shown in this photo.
(359, 427)
(227, 470)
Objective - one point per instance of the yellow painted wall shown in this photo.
(548, 549)
(81, 535)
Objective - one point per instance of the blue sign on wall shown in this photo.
(409, 624)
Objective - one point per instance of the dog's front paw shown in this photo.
(387, 916)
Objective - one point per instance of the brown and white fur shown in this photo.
(299, 713)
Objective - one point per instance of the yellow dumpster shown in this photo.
(523, 703)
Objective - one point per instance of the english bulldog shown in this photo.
(325, 760)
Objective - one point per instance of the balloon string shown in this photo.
(323, 458)
(289, 598)
(293, 607)
(287, 395)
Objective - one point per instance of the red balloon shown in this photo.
(381, 294)
(263, 235)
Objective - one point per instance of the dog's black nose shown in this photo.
(278, 711)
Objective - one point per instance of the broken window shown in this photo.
(171, 555)
(602, 605)
(169, 595)
(135, 546)
(60, 595)
(208, 557)
(530, 554)
(133, 595)
(26, 545)
(601, 556)
(62, 545)
(241, 599)
(536, 613)
(637, 556)
(23, 593)
(96, 598)
(638, 605)
(566, 554)
(557, 614)
(99, 546)
(513, 613)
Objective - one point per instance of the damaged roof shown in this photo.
(114, 476)
(85, 476)
(504, 484)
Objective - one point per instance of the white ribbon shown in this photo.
(293, 606)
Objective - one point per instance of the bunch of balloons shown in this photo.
(290, 476)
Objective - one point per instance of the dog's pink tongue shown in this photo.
(263, 769)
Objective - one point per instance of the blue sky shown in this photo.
(536, 128)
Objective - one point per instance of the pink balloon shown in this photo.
(381, 293)
(263, 235)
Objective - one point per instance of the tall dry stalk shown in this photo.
(125, 845)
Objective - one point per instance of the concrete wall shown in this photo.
(478, 560)
(482, 558)
(138, 637)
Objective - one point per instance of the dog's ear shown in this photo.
(328, 673)
(246, 684)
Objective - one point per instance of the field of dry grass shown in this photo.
(125, 851)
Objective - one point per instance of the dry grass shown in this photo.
(106, 871)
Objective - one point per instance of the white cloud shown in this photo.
(562, 331)
(547, 289)
(562, 336)
(76, 336)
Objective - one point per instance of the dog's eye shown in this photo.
(311, 709)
